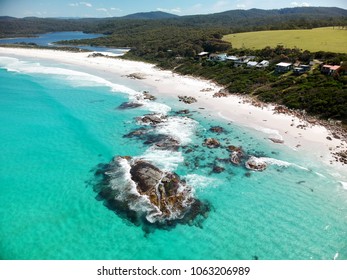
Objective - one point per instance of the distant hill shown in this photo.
(225, 22)
(151, 15)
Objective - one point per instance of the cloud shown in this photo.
(102, 10)
(81, 3)
(116, 9)
(174, 10)
(303, 4)
(86, 4)
(241, 6)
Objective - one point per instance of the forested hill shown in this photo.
(229, 21)
(151, 15)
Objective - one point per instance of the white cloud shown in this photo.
(116, 9)
(174, 10)
(241, 6)
(303, 4)
(86, 4)
(81, 3)
(102, 10)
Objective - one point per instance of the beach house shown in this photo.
(330, 69)
(283, 67)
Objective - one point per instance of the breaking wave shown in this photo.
(78, 79)
(181, 128)
(164, 159)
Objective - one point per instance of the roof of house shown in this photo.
(283, 64)
(203, 53)
(332, 67)
(252, 63)
(232, 57)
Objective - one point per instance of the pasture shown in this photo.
(327, 39)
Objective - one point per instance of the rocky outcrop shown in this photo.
(211, 143)
(276, 140)
(187, 99)
(237, 154)
(152, 119)
(167, 143)
(340, 156)
(254, 163)
(221, 93)
(136, 76)
(148, 96)
(147, 194)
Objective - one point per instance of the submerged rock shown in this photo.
(217, 129)
(183, 112)
(129, 105)
(138, 133)
(147, 194)
(256, 164)
(218, 169)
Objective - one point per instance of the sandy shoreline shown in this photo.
(294, 132)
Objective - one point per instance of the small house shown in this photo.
(330, 69)
(301, 69)
(283, 67)
(218, 57)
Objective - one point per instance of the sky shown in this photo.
(116, 8)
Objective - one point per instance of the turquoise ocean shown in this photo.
(59, 124)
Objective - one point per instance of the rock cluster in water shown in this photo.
(147, 194)
(256, 164)
(187, 99)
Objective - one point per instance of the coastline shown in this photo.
(294, 131)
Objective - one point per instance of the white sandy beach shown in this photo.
(311, 139)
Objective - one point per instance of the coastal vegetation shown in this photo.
(175, 42)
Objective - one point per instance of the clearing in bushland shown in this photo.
(330, 39)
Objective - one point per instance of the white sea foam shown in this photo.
(79, 79)
(336, 255)
(271, 132)
(282, 163)
(273, 161)
(165, 160)
(198, 181)
(320, 175)
(181, 128)
(344, 185)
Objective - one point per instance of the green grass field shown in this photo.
(318, 39)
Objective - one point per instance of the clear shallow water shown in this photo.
(58, 125)
(49, 38)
